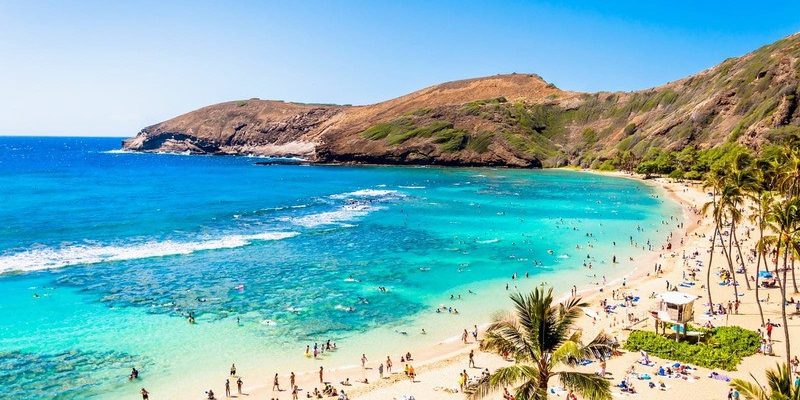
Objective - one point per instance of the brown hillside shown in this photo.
(515, 120)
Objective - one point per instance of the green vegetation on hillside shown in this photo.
(448, 138)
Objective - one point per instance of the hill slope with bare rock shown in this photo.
(516, 120)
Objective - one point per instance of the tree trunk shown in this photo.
(794, 280)
(708, 270)
(730, 266)
(741, 257)
(760, 254)
(783, 308)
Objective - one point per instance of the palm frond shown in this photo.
(748, 390)
(506, 337)
(590, 386)
(504, 376)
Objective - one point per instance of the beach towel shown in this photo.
(719, 377)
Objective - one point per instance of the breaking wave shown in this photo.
(50, 258)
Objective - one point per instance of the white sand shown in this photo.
(438, 365)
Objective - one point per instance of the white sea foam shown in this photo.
(345, 213)
(49, 258)
(487, 241)
(119, 151)
(359, 204)
(368, 193)
(412, 187)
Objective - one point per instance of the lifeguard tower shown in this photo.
(676, 309)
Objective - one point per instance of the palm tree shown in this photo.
(779, 382)
(727, 210)
(538, 336)
(789, 184)
(714, 181)
(743, 180)
(759, 217)
(783, 220)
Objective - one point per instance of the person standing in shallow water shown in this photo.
(233, 369)
(145, 394)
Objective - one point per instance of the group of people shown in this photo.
(320, 349)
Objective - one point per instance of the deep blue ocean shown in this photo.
(104, 254)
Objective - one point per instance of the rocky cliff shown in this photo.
(510, 120)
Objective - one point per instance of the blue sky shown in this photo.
(109, 68)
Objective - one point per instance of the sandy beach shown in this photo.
(437, 366)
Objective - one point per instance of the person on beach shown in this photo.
(464, 336)
(291, 379)
(380, 370)
(571, 395)
(388, 364)
(363, 360)
(294, 393)
(239, 384)
(276, 384)
(321, 374)
(145, 394)
(233, 369)
(472, 358)
(134, 374)
(227, 388)
(769, 329)
(462, 380)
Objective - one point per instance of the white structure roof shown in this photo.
(677, 298)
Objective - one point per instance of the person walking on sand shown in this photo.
(275, 383)
(320, 374)
(227, 388)
(769, 329)
(145, 394)
(472, 358)
(239, 384)
(464, 336)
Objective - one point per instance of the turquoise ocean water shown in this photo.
(104, 254)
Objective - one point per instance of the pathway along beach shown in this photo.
(437, 367)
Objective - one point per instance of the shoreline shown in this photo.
(439, 354)
(695, 249)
